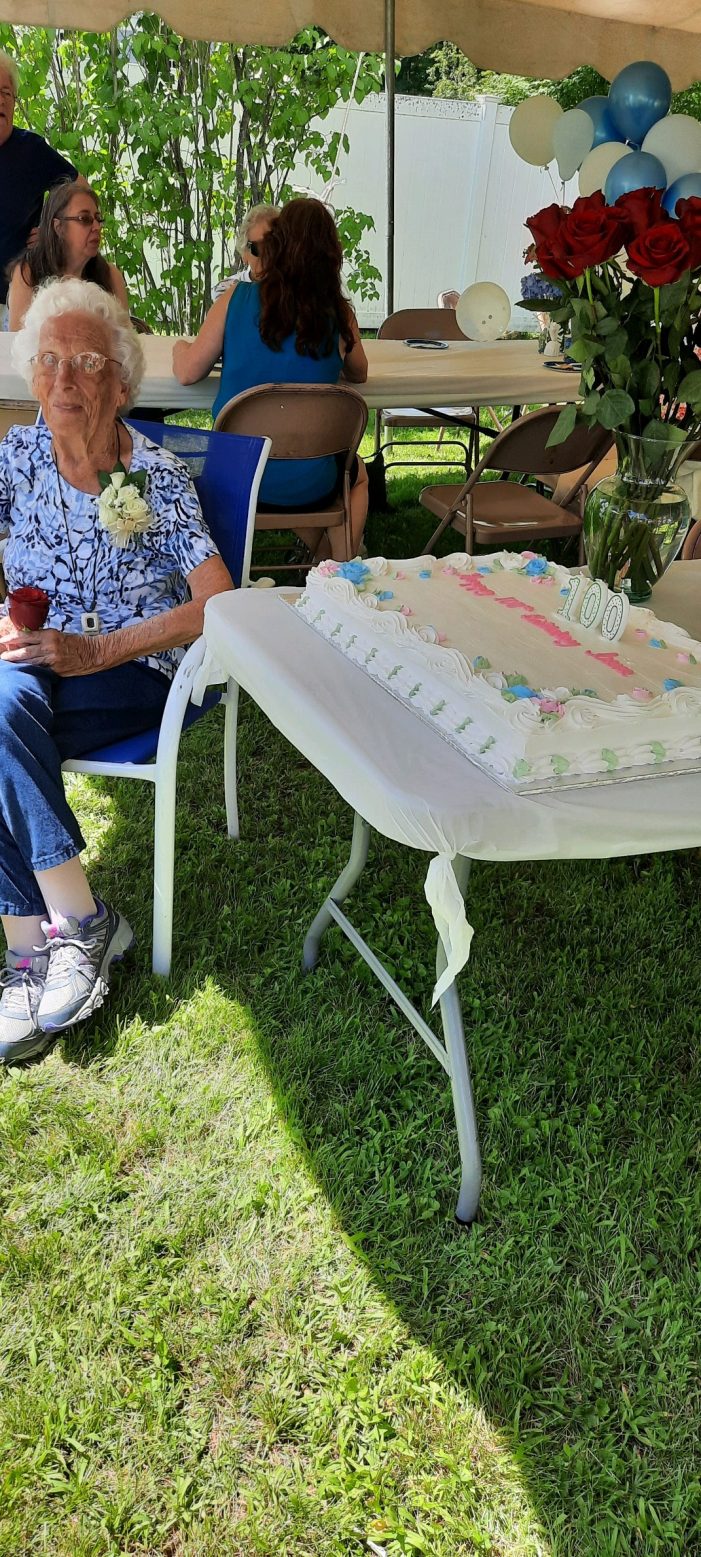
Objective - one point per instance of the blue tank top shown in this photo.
(247, 362)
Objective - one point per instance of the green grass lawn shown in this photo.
(239, 1320)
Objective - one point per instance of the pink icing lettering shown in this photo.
(564, 640)
(612, 661)
(474, 583)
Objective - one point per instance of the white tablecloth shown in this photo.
(413, 786)
(465, 373)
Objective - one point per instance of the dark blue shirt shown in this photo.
(28, 167)
(247, 362)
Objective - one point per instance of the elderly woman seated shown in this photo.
(128, 566)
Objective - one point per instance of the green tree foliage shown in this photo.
(445, 71)
(180, 137)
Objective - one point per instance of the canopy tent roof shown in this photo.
(527, 37)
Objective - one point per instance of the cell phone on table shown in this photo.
(428, 345)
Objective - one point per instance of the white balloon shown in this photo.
(483, 311)
(531, 129)
(573, 136)
(676, 140)
(597, 165)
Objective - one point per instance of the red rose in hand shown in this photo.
(640, 209)
(660, 255)
(688, 213)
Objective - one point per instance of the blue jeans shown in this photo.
(45, 718)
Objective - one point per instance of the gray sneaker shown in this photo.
(81, 953)
(21, 989)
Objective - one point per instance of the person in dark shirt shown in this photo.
(28, 168)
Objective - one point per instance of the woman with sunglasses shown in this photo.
(291, 326)
(68, 244)
(254, 228)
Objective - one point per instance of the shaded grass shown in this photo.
(238, 1317)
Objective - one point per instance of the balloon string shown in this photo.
(557, 197)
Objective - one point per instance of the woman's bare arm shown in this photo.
(193, 360)
(19, 296)
(72, 654)
(355, 362)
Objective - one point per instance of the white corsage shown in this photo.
(122, 506)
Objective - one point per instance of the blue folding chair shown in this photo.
(226, 470)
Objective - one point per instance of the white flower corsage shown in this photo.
(122, 506)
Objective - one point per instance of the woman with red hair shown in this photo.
(292, 326)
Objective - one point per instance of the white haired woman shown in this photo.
(255, 226)
(109, 526)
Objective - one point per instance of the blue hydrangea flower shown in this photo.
(542, 288)
(425, 573)
(521, 691)
(385, 594)
(355, 572)
(484, 570)
(536, 567)
(670, 682)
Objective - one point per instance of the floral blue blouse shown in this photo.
(71, 555)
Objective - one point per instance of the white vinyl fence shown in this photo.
(462, 196)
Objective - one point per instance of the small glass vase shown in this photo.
(635, 520)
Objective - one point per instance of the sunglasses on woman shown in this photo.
(254, 247)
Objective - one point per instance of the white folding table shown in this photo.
(465, 372)
(404, 780)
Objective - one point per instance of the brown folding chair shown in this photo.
(426, 324)
(497, 512)
(303, 422)
(691, 550)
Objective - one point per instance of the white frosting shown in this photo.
(463, 686)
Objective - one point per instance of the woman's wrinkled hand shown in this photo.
(67, 654)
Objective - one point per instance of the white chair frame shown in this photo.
(163, 769)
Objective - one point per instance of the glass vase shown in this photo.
(635, 520)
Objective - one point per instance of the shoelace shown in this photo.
(70, 952)
(20, 982)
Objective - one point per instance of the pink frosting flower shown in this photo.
(406, 610)
(400, 575)
(641, 694)
(640, 632)
(529, 555)
(550, 705)
(327, 569)
(684, 659)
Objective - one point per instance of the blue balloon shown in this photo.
(639, 170)
(598, 110)
(640, 95)
(682, 189)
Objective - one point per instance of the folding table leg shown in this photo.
(339, 891)
(459, 1072)
(450, 1054)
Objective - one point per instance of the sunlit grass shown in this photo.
(239, 1320)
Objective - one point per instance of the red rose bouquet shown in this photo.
(630, 275)
(631, 282)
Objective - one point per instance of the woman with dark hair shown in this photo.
(68, 244)
(292, 326)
